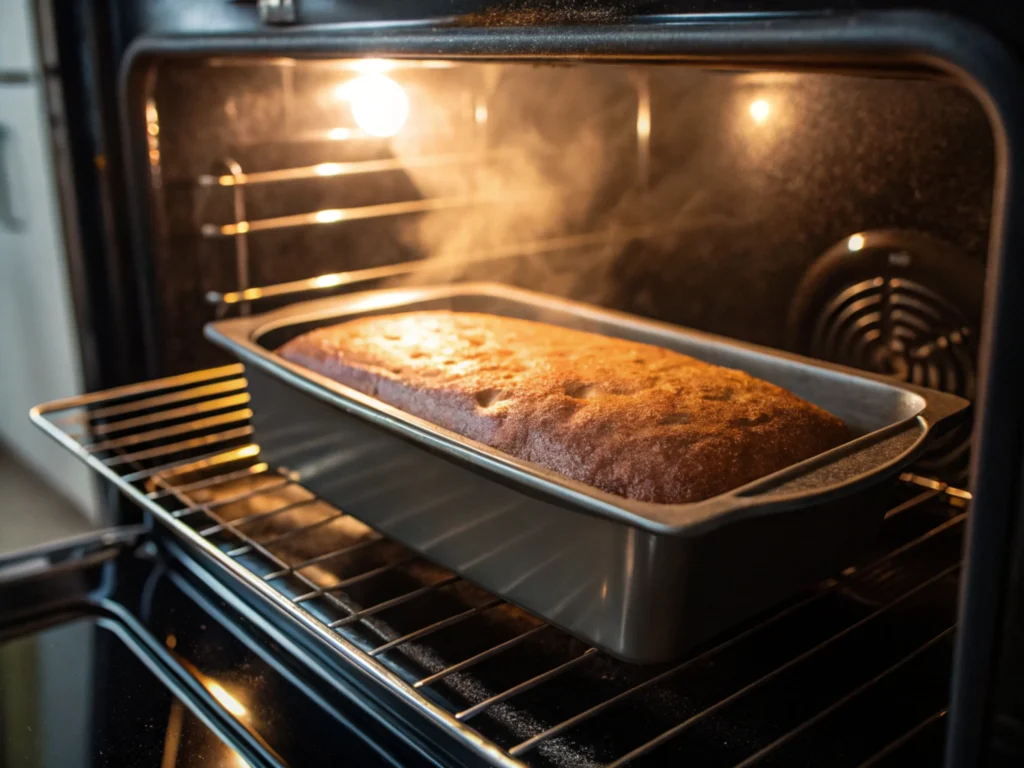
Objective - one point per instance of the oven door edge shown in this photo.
(42, 584)
(60, 582)
(77, 579)
(333, 671)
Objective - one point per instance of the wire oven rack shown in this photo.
(855, 672)
(245, 221)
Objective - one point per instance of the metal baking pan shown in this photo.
(642, 581)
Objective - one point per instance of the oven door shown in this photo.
(113, 653)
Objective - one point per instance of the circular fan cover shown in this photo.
(900, 304)
(899, 327)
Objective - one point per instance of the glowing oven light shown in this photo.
(760, 110)
(379, 105)
(855, 243)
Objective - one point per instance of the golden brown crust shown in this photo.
(632, 419)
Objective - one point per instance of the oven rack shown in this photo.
(244, 223)
(183, 449)
(336, 215)
(365, 278)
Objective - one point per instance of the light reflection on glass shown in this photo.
(855, 243)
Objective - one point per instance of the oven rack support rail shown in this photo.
(356, 279)
(172, 444)
(235, 178)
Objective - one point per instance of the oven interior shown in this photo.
(842, 216)
(708, 199)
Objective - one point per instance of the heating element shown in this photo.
(854, 672)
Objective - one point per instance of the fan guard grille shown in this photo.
(901, 328)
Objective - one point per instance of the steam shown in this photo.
(545, 150)
(560, 178)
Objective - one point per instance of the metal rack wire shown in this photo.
(183, 449)
(246, 220)
(369, 276)
(243, 224)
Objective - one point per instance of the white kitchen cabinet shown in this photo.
(39, 352)
(17, 49)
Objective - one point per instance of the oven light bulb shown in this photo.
(760, 110)
(379, 105)
(855, 243)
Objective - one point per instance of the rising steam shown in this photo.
(561, 163)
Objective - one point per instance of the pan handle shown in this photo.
(941, 407)
(856, 464)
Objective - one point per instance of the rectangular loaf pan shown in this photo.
(642, 581)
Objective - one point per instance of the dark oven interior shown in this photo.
(845, 217)
(708, 199)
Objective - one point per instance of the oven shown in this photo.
(835, 184)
